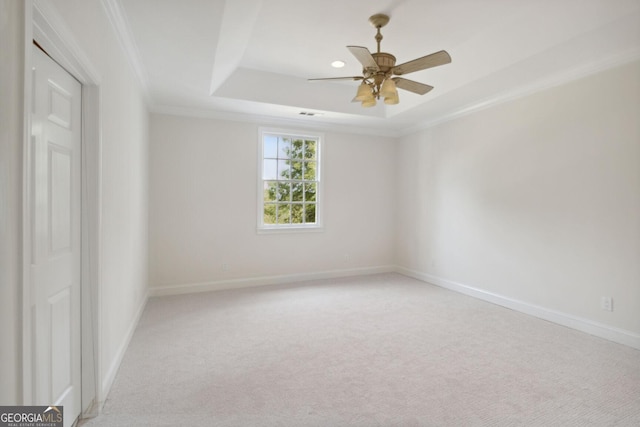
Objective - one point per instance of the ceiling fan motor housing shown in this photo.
(385, 61)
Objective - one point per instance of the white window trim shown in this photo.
(290, 228)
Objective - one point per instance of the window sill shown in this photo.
(290, 229)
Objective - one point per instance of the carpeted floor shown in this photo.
(382, 350)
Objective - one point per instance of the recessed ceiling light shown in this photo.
(337, 64)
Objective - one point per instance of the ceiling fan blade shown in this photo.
(412, 86)
(429, 61)
(354, 78)
(363, 55)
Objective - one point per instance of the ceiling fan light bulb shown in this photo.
(388, 88)
(369, 103)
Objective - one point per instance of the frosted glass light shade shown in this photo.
(369, 102)
(364, 92)
(388, 89)
(392, 100)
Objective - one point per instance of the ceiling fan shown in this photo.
(379, 70)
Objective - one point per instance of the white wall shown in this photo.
(11, 124)
(537, 200)
(203, 206)
(123, 274)
(124, 174)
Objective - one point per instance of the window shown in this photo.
(289, 184)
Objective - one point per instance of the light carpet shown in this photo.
(381, 350)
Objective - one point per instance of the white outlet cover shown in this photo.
(606, 303)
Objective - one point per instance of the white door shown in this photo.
(55, 225)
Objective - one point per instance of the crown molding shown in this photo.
(122, 29)
(304, 121)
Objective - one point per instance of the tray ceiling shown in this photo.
(251, 58)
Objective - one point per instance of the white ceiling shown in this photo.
(252, 58)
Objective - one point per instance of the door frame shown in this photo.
(44, 24)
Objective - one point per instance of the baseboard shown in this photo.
(617, 335)
(584, 325)
(107, 380)
(265, 280)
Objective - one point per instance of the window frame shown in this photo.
(318, 226)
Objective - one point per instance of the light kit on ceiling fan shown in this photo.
(364, 93)
(379, 70)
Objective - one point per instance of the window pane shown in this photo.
(284, 213)
(296, 149)
(290, 180)
(296, 170)
(270, 191)
(310, 171)
(310, 191)
(284, 148)
(310, 213)
(310, 149)
(297, 192)
(269, 213)
(284, 191)
(270, 169)
(270, 147)
(297, 212)
(283, 169)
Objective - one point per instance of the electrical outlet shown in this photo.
(606, 303)
(347, 257)
(225, 267)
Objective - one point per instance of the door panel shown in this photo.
(55, 213)
(60, 200)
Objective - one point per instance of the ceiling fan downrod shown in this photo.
(378, 21)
